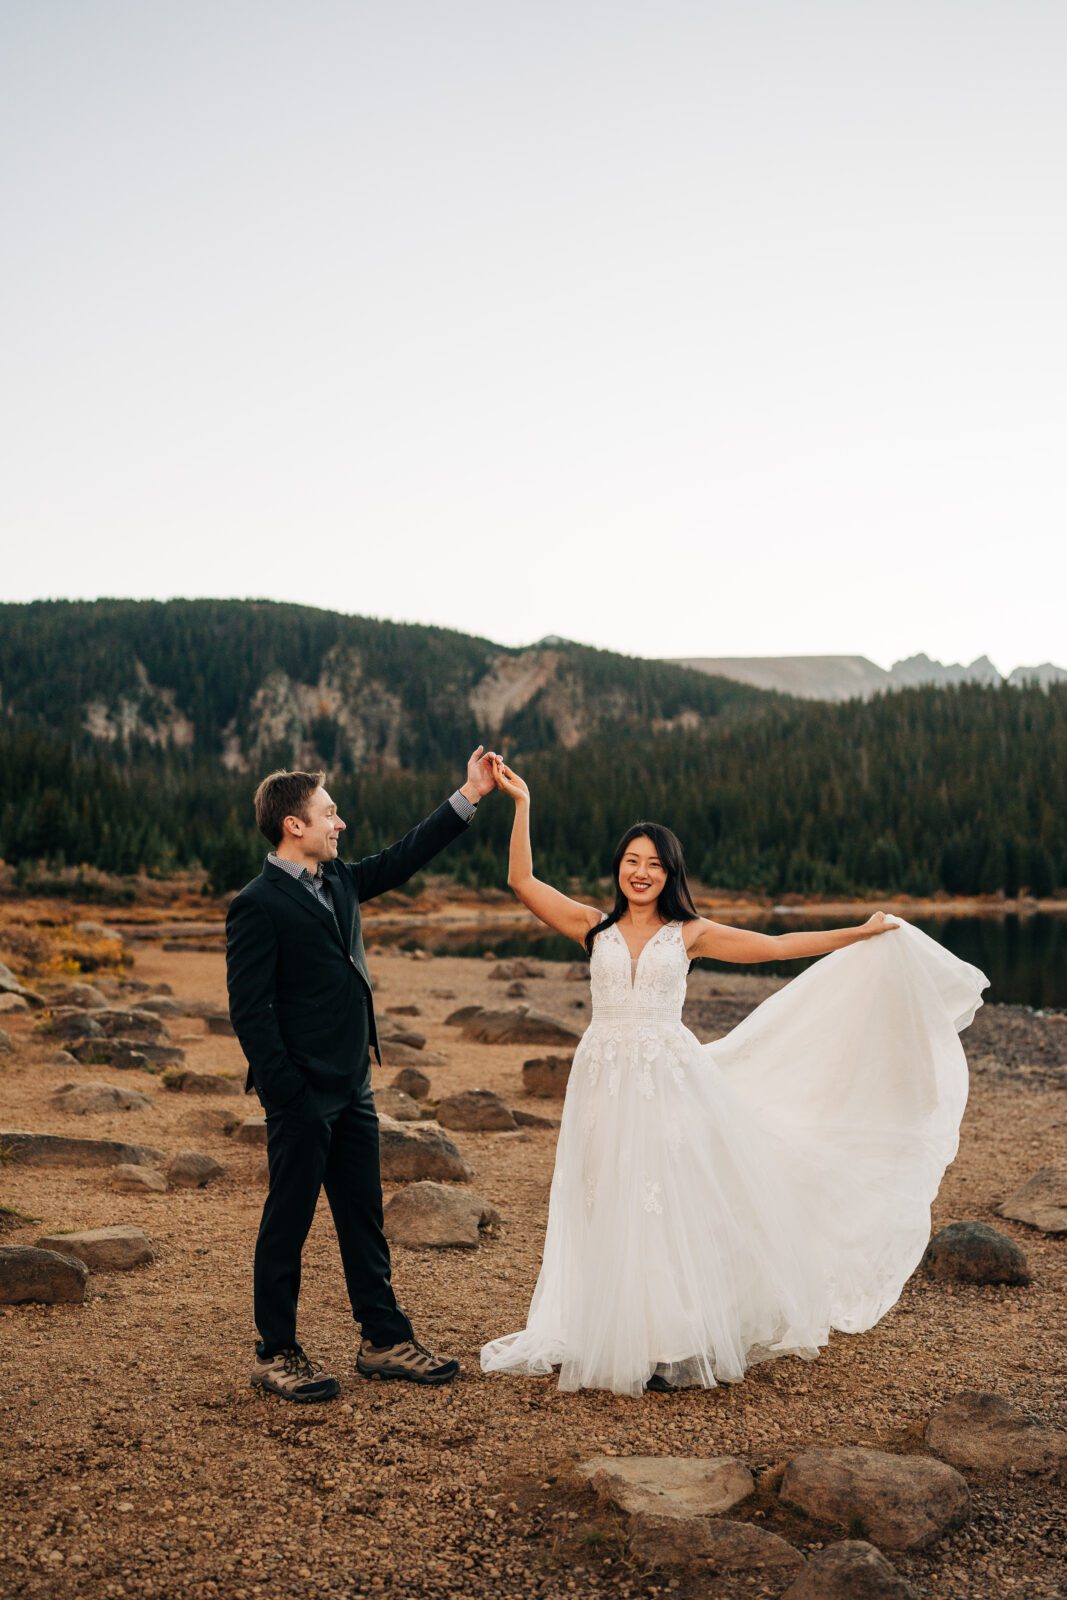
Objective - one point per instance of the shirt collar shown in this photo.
(294, 869)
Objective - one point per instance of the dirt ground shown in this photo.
(137, 1460)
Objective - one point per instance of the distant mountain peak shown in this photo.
(852, 677)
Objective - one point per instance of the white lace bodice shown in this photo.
(654, 985)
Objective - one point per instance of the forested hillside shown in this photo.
(962, 789)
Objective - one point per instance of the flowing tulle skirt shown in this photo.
(715, 1205)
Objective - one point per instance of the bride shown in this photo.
(715, 1205)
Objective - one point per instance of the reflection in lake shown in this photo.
(1024, 958)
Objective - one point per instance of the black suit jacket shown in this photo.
(301, 1002)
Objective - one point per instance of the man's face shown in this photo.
(320, 833)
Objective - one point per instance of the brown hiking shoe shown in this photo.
(409, 1360)
(293, 1376)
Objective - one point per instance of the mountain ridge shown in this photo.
(847, 677)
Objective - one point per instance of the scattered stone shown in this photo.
(86, 996)
(117, 1024)
(6, 1045)
(81, 1098)
(186, 1082)
(165, 1005)
(984, 1431)
(253, 1130)
(58, 1150)
(971, 1252)
(395, 1103)
(103, 1249)
(96, 930)
(546, 1077)
(669, 1486)
(530, 1119)
(456, 1019)
(402, 1055)
(718, 1544)
(13, 1002)
(9, 984)
(475, 1111)
(72, 1024)
(520, 1026)
(849, 1570)
(443, 994)
(413, 1082)
(900, 1502)
(1041, 1201)
(407, 1036)
(516, 990)
(43, 1276)
(219, 1023)
(403, 1011)
(191, 1170)
(409, 1154)
(61, 1058)
(127, 1177)
(576, 972)
(434, 1216)
(221, 1120)
(508, 970)
(127, 1055)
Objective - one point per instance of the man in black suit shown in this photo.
(302, 1007)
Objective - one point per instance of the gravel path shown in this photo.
(138, 1462)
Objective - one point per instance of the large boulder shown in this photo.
(899, 1502)
(1041, 1201)
(81, 1098)
(518, 1026)
(412, 1081)
(44, 1276)
(462, 1014)
(716, 1544)
(114, 1249)
(669, 1486)
(984, 1432)
(848, 1570)
(134, 1179)
(475, 1111)
(972, 1252)
(59, 1150)
(13, 1002)
(546, 1077)
(190, 1169)
(409, 1154)
(434, 1216)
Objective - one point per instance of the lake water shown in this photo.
(1025, 958)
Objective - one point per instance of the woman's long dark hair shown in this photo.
(675, 903)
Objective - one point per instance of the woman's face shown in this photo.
(641, 873)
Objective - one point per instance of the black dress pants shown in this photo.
(331, 1141)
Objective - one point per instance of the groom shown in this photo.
(302, 1008)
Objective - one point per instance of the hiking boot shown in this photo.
(659, 1383)
(409, 1360)
(292, 1375)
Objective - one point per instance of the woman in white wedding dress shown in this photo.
(715, 1205)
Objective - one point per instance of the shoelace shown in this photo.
(298, 1365)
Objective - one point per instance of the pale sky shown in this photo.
(678, 328)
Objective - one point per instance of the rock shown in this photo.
(395, 1103)
(850, 1570)
(96, 930)
(219, 1023)
(83, 995)
(508, 970)
(971, 1252)
(6, 1045)
(253, 1130)
(13, 1002)
(73, 1024)
(669, 1486)
(127, 1177)
(403, 1011)
(520, 1026)
(409, 1036)
(221, 1120)
(57, 1150)
(61, 1058)
(1042, 1200)
(103, 1249)
(127, 1054)
(44, 1276)
(413, 1082)
(475, 1111)
(402, 1055)
(117, 1024)
(455, 1019)
(530, 1119)
(546, 1076)
(81, 1098)
(434, 1216)
(409, 1154)
(718, 1544)
(9, 984)
(191, 1170)
(516, 990)
(166, 1005)
(201, 1083)
(985, 1432)
(576, 972)
(899, 1502)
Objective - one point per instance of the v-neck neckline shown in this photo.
(635, 961)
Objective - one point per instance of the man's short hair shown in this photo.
(281, 795)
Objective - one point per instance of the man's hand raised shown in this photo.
(480, 775)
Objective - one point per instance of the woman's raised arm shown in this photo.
(556, 910)
(724, 943)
